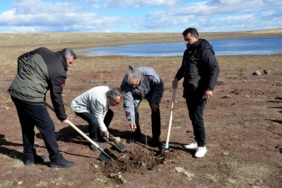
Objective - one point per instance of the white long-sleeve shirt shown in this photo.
(93, 101)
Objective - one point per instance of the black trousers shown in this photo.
(196, 111)
(93, 127)
(33, 114)
(156, 124)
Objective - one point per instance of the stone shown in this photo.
(257, 72)
(179, 169)
(266, 71)
(225, 153)
(278, 97)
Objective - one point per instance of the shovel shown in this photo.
(104, 156)
(116, 142)
(166, 147)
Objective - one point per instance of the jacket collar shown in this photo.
(63, 60)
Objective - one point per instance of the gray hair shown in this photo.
(113, 93)
(131, 74)
(68, 53)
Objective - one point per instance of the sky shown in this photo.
(26, 16)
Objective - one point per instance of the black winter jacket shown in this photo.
(199, 68)
(39, 71)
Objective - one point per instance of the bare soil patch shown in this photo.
(243, 122)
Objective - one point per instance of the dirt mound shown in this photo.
(139, 160)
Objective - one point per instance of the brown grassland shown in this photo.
(243, 120)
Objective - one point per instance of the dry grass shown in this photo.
(251, 161)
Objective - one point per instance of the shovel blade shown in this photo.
(104, 158)
(109, 157)
(113, 156)
(104, 155)
(120, 147)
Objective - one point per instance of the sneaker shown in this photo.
(193, 145)
(201, 152)
(92, 147)
(61, 163)
(37, 160)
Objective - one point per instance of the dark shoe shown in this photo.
(61, 163)
(157, 142)
(130, 140)
(29, 162)
(135, 137)
(37, 160)
(92, 147)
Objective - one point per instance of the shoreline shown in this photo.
(120, 56)
(85, 40)
(13, 45)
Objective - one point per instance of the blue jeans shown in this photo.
(93, 127)
(196, 110)
(33, 114)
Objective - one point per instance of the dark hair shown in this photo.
(68, 53)
(113, 93)
(193, 31)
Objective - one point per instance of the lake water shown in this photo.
(244, 46)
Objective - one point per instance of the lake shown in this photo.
(242, 46)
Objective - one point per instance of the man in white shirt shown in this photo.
(93, 106)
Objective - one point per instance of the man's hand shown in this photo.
(154, 107)
(66, 121)
(132, 126)
(106, 134)
(175, 83)
(208, 94)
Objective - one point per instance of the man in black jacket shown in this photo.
(200, 71)
(39, 71)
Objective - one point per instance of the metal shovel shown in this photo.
(116, 142)
(104, 156)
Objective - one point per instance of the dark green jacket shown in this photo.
(39, 71)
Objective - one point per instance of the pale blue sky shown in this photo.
(21, 16)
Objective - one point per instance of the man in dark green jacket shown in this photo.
(39, 71)
(200, 71)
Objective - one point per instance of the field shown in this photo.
(243, 120)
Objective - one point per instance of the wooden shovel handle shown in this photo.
(170, 118)
(75, 128)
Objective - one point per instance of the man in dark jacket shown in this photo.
(200, 71)
(142, 82)
(39, 71)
